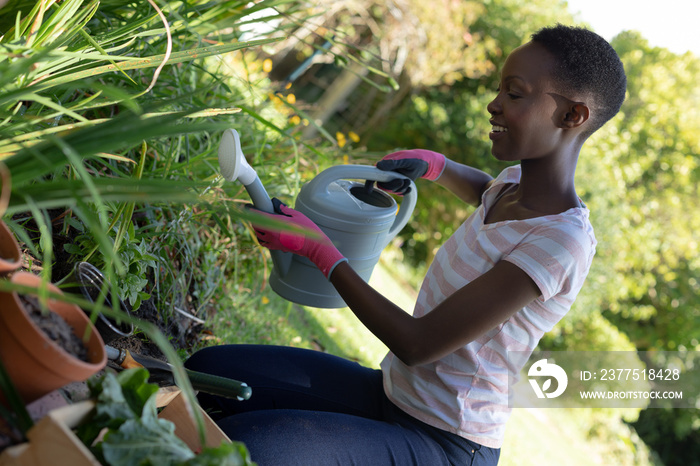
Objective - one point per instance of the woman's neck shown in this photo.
(547, 187)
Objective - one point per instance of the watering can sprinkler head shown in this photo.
(234, 167)
(232, 162)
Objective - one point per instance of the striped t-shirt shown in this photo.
(466, 392)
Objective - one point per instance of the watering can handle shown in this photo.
(368, 172)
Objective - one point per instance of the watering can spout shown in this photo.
(235, 167)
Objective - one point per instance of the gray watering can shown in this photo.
(359, 219)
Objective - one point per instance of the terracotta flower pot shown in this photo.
(36, 364)
(10, 254)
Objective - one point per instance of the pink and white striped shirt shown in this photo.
(466, 392)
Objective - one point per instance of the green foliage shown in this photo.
(13, 411)
(134, 254)
(119, 398)
(586, 332)
(139, 263)
(640, 175)
(671, 434)
(88, 127)
(126, 407)
(102, 150)
(102, 146)
(61, 126)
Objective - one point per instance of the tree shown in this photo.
(641, 175)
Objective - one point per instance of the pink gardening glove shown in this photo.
(414, 164)
(317, 246)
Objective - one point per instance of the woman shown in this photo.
(503, 279)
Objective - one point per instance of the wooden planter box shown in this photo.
(53, 443)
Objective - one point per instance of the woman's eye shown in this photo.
(513, 96)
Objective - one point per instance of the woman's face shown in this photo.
(524, 112)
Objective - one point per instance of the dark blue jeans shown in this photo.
(310, 408)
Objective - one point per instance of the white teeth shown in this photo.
(499, 129)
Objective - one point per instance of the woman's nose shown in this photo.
(494, 106)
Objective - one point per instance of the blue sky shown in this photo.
(672, 24)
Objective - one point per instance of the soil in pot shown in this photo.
(55, 328)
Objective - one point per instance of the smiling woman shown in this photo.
(528, 123)
(506, 276)
(532, 126)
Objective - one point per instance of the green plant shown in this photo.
(15, 413)
(138, 262)
(94, 139)
(126, 407)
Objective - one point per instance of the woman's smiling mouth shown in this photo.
(497, 131)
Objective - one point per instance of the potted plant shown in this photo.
(36, 363)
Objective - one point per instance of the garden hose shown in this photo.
(161, 372)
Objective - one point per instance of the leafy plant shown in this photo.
(134, 253)
(95, 138)
(15, 414)
(126, 407)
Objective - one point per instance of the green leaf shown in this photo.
(153, 61)
(17, 414)
(147, 440)
(136, 389)
(111, 411)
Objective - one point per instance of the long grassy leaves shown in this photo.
(87, 140)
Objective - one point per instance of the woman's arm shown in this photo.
(468, 313)
(463, 317)
(465, 182)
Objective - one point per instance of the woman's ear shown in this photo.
(577, 114)
(570, 114)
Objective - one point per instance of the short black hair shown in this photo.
(587, 63)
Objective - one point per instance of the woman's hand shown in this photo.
(414, 164)
(311, 242)
(465, 182)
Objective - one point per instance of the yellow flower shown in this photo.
(288, 86)
(267, 65)
(353, 135)
(265, 300)
(295, 120)
(346, 159)
(275, 99)
(291, 98)
(341, 139)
